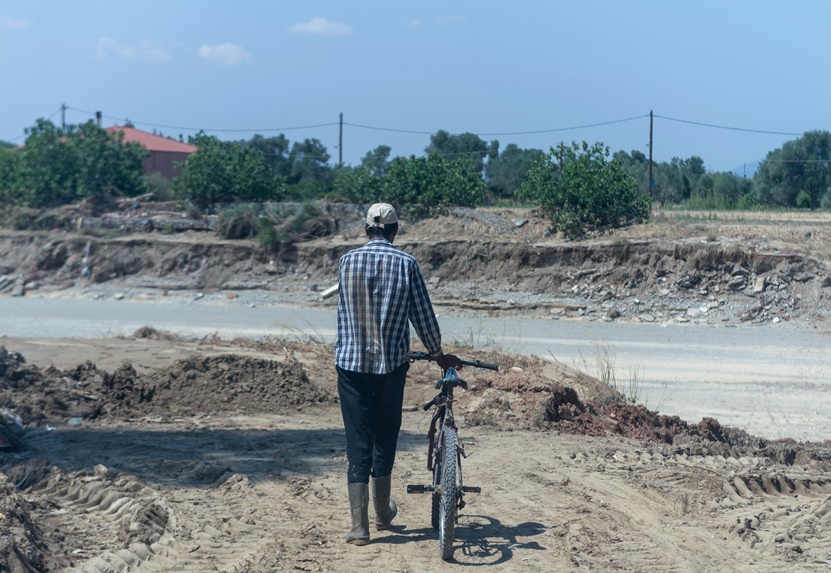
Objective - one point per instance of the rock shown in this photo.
(646, 318)
(760, 285)
(118, 296)
(518, 223)
(737, 283)
(826, 282)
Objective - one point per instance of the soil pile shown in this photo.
(225, 384)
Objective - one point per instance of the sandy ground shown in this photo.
(225, 491)
(120, 469)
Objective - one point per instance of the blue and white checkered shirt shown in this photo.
(381, 290)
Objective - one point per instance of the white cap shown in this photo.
(381, 215)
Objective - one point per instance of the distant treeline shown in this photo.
(62, 166)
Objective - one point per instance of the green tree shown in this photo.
(377, 160)
(466, 145)
(275, 152)
(427, 184)
(580, 190)
(801, 165)
(680, 179)
(505, 172)
(358, 185)
(636, 164)
(57, 167)
(9, 166)
(227, 171)
(311, 176)
(729, 188)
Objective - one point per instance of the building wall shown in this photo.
(164, 162)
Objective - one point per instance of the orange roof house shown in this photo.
(164, 153)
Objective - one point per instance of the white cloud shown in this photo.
(12, 23)
(320, 25)
(108, 47)
(414, 23)
(226, 54)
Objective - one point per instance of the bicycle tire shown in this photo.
(447, 505)
(435, 510)
(437, 470)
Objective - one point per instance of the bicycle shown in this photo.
(444, 456)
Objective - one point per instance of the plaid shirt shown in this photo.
(381, 289)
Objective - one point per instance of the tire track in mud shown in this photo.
(269, 494)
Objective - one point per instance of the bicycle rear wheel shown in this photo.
(447, 504)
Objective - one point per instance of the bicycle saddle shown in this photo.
(451, 378)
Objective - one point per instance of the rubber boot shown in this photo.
(359, 509)
(385, 508)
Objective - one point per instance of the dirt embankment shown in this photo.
(470, 266)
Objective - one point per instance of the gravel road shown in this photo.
(772, 381)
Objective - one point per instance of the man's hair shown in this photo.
(386, 232)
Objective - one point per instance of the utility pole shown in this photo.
(651, 182)
(340, 143)
(63, 118)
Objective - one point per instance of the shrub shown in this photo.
(239, 222)
(579, 190)
(803, 200)
(158, 186)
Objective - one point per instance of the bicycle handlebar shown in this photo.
(417, 355)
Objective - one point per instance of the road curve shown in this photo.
(773, 381)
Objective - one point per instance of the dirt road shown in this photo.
(224, 489)
(772, 381)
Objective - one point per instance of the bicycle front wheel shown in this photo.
(447, 504)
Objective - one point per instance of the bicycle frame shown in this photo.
(444, 457)
(444, 421)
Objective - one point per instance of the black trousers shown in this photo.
(371, 408)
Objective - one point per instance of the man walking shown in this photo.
(381, 291)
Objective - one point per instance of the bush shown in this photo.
(748, 202)
(580, 191)
(239, 222)
(158, 186)
(275, 224)
(226, 171)
(803, 200)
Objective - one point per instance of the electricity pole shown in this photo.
(340, 143)
(63, 118)
(651, 182)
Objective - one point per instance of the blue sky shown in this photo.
(497, 69)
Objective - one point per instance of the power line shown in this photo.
(728, 127)
(219, 130)
(533, 132)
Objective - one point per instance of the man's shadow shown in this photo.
(479, 539)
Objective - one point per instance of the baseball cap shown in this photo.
(381, 215)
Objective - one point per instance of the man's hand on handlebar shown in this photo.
(446, 361)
